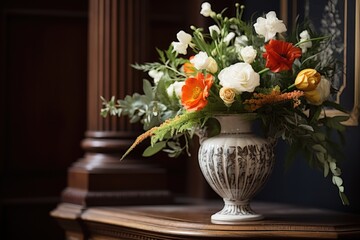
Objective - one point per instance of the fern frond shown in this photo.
(138, 140)
(178, 125)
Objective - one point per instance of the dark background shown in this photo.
(43, 73)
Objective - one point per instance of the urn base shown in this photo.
(235, 212)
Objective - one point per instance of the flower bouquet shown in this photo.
(236, 67)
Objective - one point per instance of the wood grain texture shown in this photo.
(192, 221)
(116, 37)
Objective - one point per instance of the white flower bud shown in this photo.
(184, 41)
(229, 37)
(304, 36)
(203, 61)
(175, 88)
(206, 9)
(183, 37)
(214, 31)
(248, 54)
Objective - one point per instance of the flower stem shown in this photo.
(176, 71)
(263, 71)
(311, 39)
(215, 95)
(289, 87)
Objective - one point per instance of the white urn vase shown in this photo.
(236, 163)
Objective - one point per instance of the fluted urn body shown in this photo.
(236, 163)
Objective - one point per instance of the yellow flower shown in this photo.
(313, 97)
(227, 95)
(320, 94)
(307, 79)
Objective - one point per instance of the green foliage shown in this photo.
(153, 149)
(188, 121)
(314, 142)
(292, 118)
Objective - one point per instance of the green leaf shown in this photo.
(147, 88)
(161, 55)
(326, 169)
(319, 137)
(332, 166)
(336, 171)
(337, 181)
(320, 156)
(319, 148)
(306, 127)
(314, 114)
(151, 150)
(341, 118)
(335, 122)
(174, 145)
(334, 105)
(161, 93)
(344, 198)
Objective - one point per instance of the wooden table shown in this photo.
(192, 221)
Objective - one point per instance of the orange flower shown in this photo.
(189, 68)
(280, 55)
(195, 91)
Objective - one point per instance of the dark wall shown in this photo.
(43, 49)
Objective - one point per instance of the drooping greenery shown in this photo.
(293, 118)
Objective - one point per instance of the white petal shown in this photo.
(183, 37)
(180, 47)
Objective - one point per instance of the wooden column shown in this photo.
(116, 40)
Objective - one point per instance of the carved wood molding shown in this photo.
(116, 40)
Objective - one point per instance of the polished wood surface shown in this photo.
(192, 221)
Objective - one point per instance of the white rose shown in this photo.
(269, 26)
(214, 31)
(175, 88)
(206, 9)
(184, 41)
(227, 95)
(203, 61)
(304, 36)
(240, 76)
(156, 75)
(248, 54)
